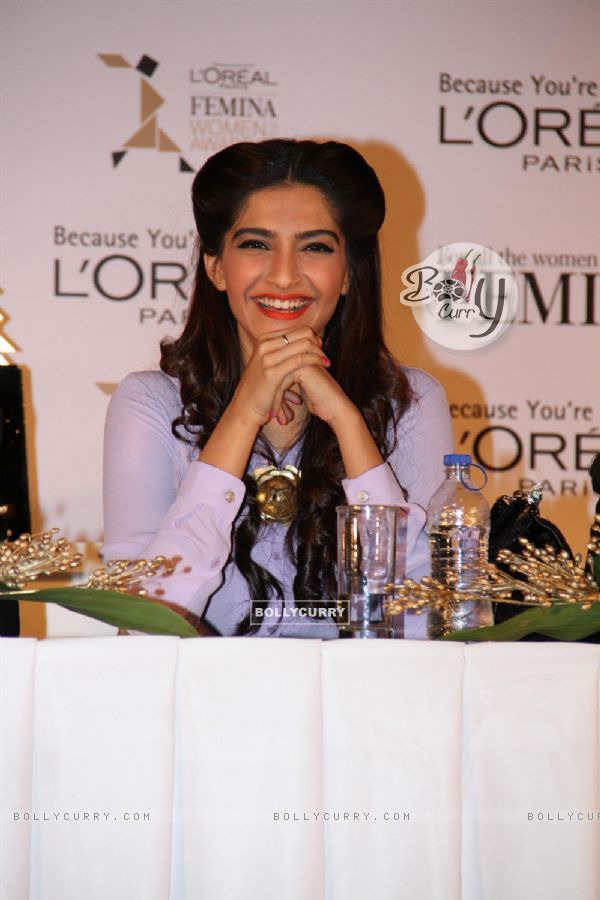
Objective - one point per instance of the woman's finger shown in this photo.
(282, 344)
(289, 390)
(291, 334)
(285, 415)
(293, 396)
(278, 408)
(287, 363)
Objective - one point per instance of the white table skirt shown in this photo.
(240, 768)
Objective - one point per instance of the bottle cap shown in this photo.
(457, 459)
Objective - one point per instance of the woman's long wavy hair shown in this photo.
(206, 358)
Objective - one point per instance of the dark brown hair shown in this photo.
(206, 357)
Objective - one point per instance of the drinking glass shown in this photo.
(366, 570)
(395, 620)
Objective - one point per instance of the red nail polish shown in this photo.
(326, 360)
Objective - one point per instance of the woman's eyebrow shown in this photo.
(261, 232)
(301, 235)
(304, 235)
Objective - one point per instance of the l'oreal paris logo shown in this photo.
(463, 296)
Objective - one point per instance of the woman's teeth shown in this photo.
(274, 303)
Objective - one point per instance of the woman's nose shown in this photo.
(284, 272)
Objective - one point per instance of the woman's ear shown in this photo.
(214, 270)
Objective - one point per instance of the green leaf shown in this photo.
(112, 607)
(564, 621)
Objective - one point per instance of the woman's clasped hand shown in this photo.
(280, 374)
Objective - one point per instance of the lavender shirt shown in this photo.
(159, 500)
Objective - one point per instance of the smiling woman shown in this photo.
(281, 363)
(283, 259)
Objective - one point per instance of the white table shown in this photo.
(445, 771)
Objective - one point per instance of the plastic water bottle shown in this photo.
(458, 521)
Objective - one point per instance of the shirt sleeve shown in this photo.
(415, 466)
(147, 513)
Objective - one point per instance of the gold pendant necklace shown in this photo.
(277, 493)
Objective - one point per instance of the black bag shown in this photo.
(519, 516)
(515, 517)
(595, 476)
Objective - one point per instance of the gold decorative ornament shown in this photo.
(127, 576)
(546, 578)
(277, 493)
(116, 595)
(31, 555)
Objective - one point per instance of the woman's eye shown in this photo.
(252, 244)
(319, 248)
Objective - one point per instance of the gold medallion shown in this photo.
(277, 493)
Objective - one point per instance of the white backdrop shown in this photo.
(508, 157)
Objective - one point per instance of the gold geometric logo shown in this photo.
(107, 387)
(147, 135)
(5, 345)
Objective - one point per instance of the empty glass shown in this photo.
(369, 559)
(396, 620)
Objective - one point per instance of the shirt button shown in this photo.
(363, 496)
(230, 496)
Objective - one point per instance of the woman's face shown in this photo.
(283, 261)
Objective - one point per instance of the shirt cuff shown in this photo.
(214, 488)
(377, 486)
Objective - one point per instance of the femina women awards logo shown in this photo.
(463, 296)
(146, 133)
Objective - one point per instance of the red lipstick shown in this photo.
(273, 312)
